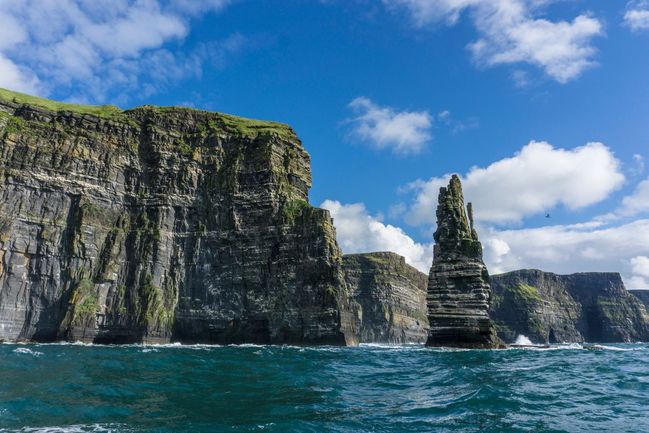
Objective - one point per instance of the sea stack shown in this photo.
(458, 284)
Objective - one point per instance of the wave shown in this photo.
(26, 351)
(78, 428)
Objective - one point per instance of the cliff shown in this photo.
(389, 297)
(550, 308)
(458, 284)
(161, 224)
(642, 295)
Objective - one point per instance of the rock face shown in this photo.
(550, 308)
(642, 295)
(161, 224)
(458, 284)
(389, 297)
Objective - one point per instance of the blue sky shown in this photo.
(542, 106)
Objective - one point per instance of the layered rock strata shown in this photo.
(161, 224)
(551, 308)
(389, 298)
(458, 285)
(642, 295)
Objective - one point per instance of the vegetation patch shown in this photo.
(525, 292)
(380, 261)
(155, 311)
(254, 128)
(13, 125)
(105, 111)
(294, 208)
(85, 302)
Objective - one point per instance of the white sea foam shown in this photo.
(613, 348)
(522, 340)
(79, 428)
(26, 351)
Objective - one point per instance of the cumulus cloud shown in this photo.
(14, 77)
(636, 203)
(640, 272)
(510, 32)
(572, 248)
(586, 247)
(404, 132)
(536, 179)
(359, 232)
(637, 15)
(89, 47)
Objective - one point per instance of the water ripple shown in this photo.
(85, 388)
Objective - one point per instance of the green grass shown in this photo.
(241, 125)
(294, 208)
(525, 292)
(251, 127)
(85, 302)
(379, 260)
(108, 111)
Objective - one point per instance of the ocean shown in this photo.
(90, 388)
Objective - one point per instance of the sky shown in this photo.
(541, 107)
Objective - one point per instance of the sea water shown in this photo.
(89, 388)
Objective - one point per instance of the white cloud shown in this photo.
(495, 250)
(359, 232)
(403, 132)
(637, 15)
(509, 33)
(13, 77)
(536, 179)
(577, 248)
(92, 47)
(199, 6)
(425, 11)
(640, 266)
(636, 203)
(563, 249)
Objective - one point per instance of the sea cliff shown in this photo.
(388, 297)
(161, 224)
(164, 224)
(551, 308)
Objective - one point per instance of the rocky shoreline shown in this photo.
(162, 225)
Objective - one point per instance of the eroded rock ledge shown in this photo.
(388, 297)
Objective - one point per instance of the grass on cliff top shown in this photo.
(253, 127)
(109, 111)
(380, 259)
(241, 125)
(232, 123)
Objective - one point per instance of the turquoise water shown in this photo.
(76, 388)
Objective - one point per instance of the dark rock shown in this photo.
(161, 224)
(550, 308)
(389, 297)
(458, 285)
(642, 295)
